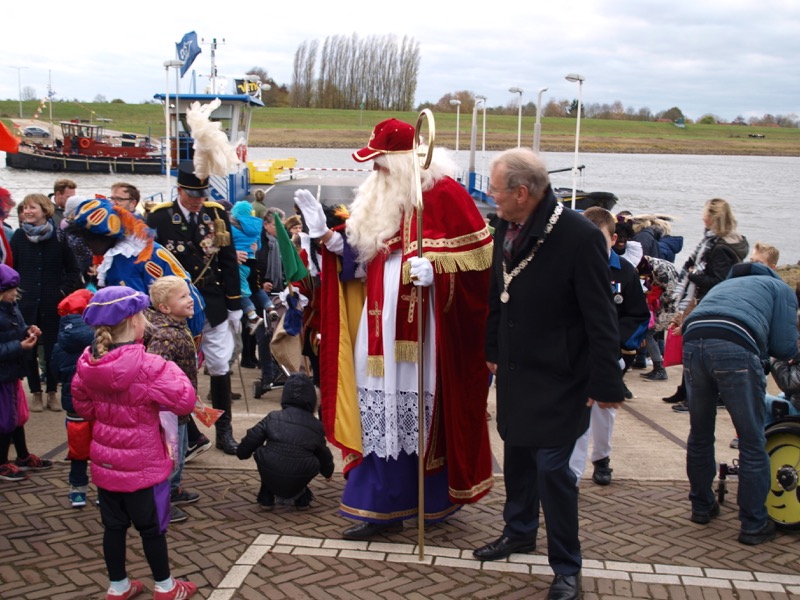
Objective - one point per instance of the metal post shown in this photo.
(537, 128)
(516, 90)
(579, 78)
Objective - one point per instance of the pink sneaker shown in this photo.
(181, 591)
(135, 590)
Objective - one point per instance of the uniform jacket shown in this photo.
(556, 341)
(633, 315)
(48, 272)
(290, 441)
(74, 336)
(219, 284)
(12, 331)
(123, 392)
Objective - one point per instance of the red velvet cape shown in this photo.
(459, 245)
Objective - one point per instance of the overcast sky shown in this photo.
(726, 57)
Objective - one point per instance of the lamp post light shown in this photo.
(537, 128)
(457, 104)
(176, 64)
(19, 85)
(516, 90)
(573, 77)
(482, 99)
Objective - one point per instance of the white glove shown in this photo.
(421, 271)
(312, 211)
(235, 320)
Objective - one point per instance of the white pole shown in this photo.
(516, 90)
(457, 104)
(579, 78)
(537, 128)
(168, 153)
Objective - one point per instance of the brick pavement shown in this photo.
(637, 541)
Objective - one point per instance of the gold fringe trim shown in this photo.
(405, 351)
(375, 366)
(478, 259)
(475, 490)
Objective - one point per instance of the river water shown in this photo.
(762, 190)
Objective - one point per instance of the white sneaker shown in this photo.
(252, 324)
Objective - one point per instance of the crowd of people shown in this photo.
(409, 306)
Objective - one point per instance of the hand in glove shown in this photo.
(312, 211)
(421, 271)
(235, 320)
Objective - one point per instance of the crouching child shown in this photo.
(289, 447)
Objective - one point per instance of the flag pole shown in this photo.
(421, 162)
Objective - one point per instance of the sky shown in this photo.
(723, 57)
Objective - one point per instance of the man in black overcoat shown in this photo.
(197, 232)
(553, 344)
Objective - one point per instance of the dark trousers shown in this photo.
(18, 438)
(33, 373)
(535, 476)
(148, 510)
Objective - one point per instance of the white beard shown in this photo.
(377, 211)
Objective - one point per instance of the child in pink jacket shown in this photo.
(121, 388)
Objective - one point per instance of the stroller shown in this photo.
(280, 352)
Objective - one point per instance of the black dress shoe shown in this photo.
(565, 587)
(365, 531)
(503, 547)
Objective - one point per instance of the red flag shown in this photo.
(8, 143)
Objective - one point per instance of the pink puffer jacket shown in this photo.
(122, 393)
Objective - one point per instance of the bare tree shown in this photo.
(305, 59)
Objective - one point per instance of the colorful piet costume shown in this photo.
(368, 364)
(135, 259)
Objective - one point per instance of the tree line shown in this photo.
(373, 73)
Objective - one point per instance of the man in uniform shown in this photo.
(197, 232)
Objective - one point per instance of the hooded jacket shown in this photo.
(290, 442)
(12, 331)
(723, 254)
(753, 308)
(74, 336)
(123, 392)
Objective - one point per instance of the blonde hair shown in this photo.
(104, 336)
(162, 288)
(602, 218)
(720, 217)
(769, 252)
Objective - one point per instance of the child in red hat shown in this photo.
(74, 336)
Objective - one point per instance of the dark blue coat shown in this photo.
(12, 332)
(73, 337)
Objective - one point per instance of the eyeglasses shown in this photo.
(119, 199)
(493, 190)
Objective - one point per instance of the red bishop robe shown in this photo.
(459, 245)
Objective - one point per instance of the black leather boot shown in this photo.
(221, 399)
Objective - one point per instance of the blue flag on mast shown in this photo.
(188, 49)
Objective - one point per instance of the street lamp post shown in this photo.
(176, 64)
(19, 85)
(516, 90)
(537, 128)
(482, 99)
(457, 104)
(573, 77)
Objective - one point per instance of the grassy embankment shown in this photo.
(327, 128)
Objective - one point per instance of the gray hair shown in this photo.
(270, 216)
(524, 167)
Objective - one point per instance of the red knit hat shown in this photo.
(75, 303)
(389, 137)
